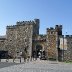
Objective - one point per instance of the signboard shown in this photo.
(63, 43)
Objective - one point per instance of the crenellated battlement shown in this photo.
(51, 28)
(68, 36)
(11, 27)
(35, 21)
(58, 26)
(61, 36)
(24, 22)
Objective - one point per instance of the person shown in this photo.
(24, 56)
(14, 57)
(34, 55)
(20, 54)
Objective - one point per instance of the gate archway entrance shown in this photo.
(39, 51)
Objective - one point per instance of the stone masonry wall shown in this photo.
(68, 52)
(19, 37)
(24, 38)
(51, 44)
(11, 40)
(2, 44)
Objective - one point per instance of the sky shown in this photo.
(50, 13)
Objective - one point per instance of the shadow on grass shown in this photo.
(68, 62)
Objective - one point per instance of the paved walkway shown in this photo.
(39, 66)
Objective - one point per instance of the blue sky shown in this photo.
(50, 13)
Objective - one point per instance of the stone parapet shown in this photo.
(11, 27)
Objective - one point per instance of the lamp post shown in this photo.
(63, 50)
(57, 39)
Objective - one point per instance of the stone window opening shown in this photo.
(2, 41)
(10, 40)
(25, 40)
(51, 32)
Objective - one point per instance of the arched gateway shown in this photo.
(39, 51)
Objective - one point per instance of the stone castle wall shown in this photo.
(19, 37)
(2, 44)
(68, 52)
(51, 44)
(25, 36)
(11, 39)
(53, 41)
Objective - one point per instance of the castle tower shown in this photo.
(36, 27)
(37, 22)
(52, 41)
(24, 36)
(58, 28)
(11, 39)
(19, 36)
